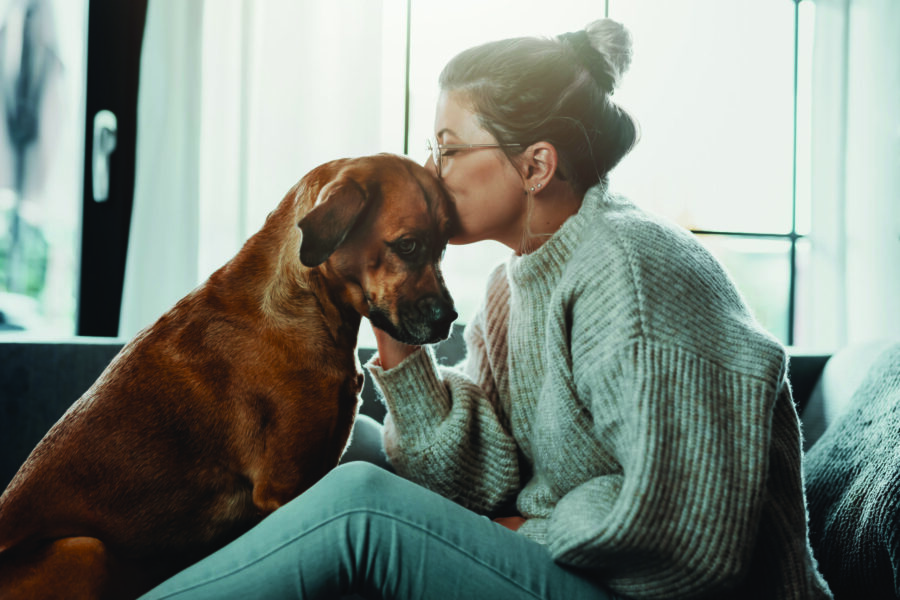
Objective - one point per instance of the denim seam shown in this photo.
(297, 537)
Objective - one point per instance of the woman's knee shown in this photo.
(358, 475)
(358, 479)
(362, 487)
(350, 489)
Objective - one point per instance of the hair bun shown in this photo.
(612, 40)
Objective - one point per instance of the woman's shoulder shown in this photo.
(659, 282)
(497, 291)
(625, 241)
(619, 238)
(493, 314)
(620, 226)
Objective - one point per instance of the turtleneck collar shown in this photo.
(548, 260)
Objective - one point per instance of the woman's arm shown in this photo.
(444, 427)
(390, 352)
(682, 517)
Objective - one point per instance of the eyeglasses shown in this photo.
(438, 150)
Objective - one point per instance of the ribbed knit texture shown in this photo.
(618, 390)
(853, 485)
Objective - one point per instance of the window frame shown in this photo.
(793, 237)
(114, 38)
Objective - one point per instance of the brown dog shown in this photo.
(239, 398)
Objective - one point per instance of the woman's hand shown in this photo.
(512, 523)
(391, 352)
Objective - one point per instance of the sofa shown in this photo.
(40, 379)
(852, 471)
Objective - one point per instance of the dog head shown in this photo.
(378, 230)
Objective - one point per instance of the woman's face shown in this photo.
(485, 187)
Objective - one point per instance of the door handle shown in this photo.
(105, 126)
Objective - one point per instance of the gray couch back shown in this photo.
(39, 380)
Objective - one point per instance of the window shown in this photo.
(720, 90)
(68, 76)
(724, 142)
(42, 89)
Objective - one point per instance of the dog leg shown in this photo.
(273, 488)
(74, 568)
(282, 478)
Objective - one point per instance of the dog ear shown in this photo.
(326, 226)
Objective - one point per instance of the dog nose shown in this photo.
(435, 308)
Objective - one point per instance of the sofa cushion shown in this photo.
(853, 486)
(839, 379)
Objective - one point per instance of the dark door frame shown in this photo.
(115, 35)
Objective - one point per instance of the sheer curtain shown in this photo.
(855, 273)
(238, 100)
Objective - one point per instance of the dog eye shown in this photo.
(406, 246)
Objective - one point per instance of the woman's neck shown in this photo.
(551, 207)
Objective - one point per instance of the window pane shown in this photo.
(761, 270)
(41, 163)
(808, 332)
(711, 84)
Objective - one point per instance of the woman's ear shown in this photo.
(540, 163)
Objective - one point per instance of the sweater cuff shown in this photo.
(535, 529)
(413, 392)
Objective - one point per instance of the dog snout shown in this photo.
(436, 309)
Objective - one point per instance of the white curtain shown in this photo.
(855, 273)
(238, 99)
(161, 263)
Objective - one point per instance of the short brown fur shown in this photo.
(235, 401)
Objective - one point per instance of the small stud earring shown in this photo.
(532, 188)
(539, 186)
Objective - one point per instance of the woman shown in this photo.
(620, 414)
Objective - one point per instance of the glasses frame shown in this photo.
(437, 150)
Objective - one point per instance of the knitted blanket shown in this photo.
(853, 489)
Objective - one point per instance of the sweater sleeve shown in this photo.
(444, 429)
(680, 519)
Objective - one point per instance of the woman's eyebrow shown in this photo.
(440, 133)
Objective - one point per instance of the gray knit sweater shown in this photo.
(617, 389)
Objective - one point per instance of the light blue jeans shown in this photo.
(363, 530)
